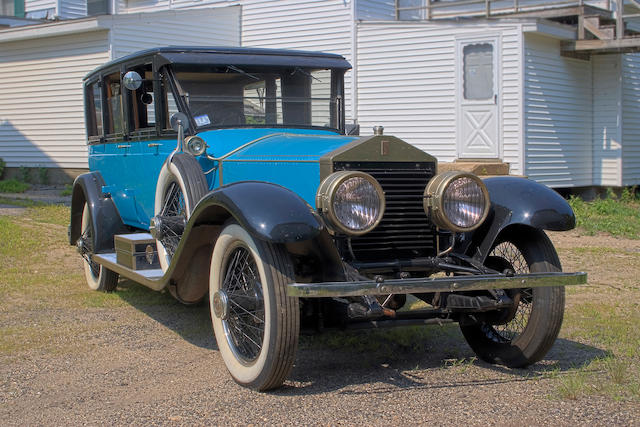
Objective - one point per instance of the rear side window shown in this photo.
(115, 115)
(94, 111)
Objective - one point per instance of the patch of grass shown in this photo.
(27, 203)
(13, 186)
(50, 214)
(618, 216)
(67, 191)
(573, 385)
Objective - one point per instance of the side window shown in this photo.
(115, 122)
(170, 105)
(94, 111)
(141, 102)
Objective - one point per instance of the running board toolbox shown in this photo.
(136, 251)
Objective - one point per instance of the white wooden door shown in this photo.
(478, 133)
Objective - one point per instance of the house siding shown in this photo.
(558, 115)
(320, 25)
(70, 9)
(407, 83)
(41, 99)
(607, 120)
(35, 5)
(375, 10)
(631, 119)
(207, 27)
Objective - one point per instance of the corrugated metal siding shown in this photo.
(607, 131)
(213, 26)
(375, 10)
(631, 119)
(41, 100)
(407, 83)
(317, 25)
(558, 115)
(70, 9)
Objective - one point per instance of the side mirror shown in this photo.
(179, 117)
(132, 80)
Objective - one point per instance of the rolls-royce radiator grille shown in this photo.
(404, 232)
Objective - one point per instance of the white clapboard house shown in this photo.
(550, 88)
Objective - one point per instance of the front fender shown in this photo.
(517, 201)
(267, 211)
(87, 188)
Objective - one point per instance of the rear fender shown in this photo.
(87, 188)
(516, 201)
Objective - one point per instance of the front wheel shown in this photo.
(523, 335)
(255, 323)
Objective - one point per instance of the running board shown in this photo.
(153, 279)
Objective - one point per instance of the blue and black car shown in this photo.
(229, 174)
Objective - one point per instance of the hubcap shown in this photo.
(221, 305)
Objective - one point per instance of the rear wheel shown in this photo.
(521, 336)
(98, 277)
(255, 323)
(180, 187)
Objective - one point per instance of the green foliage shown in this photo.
(616, 215)
(13, 186)
(68, 190)
(43, 175)
(25, 174)
(2, 166)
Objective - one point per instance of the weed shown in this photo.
(43, 175)
(573, 385)
(13, 186)
(616, 369)
(25, 174)
(2, 166)
(68, 190)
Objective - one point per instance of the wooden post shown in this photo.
(515, 6)
(619, 21)
(429, 10)
(397, 10)
(487, 5)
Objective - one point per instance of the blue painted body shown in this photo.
(288, 157)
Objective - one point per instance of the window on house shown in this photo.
(94, 111)
(97, 7)
(478, 71)
(115, 121)
(7, 8)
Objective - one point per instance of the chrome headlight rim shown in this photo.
(433, 203)
(193, 141)
(325, 198)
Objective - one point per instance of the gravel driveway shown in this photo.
(158, 364)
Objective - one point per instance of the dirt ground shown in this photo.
(157, 364)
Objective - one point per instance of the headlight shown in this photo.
(351, 202)
(457, 201)
(195, 145)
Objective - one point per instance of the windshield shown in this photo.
(234, 96)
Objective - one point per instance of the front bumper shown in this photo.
(437, 284)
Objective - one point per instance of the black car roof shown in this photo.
(230, 56)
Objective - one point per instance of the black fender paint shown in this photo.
(104, 215)
(267, 211)
(516, 201)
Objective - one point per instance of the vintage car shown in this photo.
(230, 173)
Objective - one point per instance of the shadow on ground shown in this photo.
(398, 358)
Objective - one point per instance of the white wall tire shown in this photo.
(257, 286)
(98, 278)
(183, 174)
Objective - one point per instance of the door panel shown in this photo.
(478, 83)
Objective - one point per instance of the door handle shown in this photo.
(495, 99)
(153, 144)
(124, 146)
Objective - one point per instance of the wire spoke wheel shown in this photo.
(523, 335)
(255, 323)
(98, 278)
(244, 326)
(181, 184)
